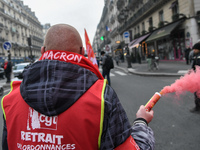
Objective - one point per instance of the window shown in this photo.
(174, 7)
(161, 17)
(143, 26)
(150, 22)
(138, 29)
(175, 11)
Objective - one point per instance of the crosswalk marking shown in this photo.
(120, 73)
(115, 72)
(183, 71)
(112, 75)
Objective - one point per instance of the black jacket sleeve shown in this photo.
(196, 61)
(116, 126)
(4, 138)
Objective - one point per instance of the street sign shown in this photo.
(126, 34)
(108, 48)
(127, 40)
(7, 45)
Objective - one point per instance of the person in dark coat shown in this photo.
(187, 52)
(105, 67)
(7, 70)
(196, 62)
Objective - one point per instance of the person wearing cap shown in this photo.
(196, 62)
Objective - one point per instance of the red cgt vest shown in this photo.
(79, 127)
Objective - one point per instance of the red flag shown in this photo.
(90, 51)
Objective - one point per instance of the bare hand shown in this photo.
(142, 113)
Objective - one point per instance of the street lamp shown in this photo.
(122, 18)
(30, 47)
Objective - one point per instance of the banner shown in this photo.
(90, 51)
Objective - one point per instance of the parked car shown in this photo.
(18, 69)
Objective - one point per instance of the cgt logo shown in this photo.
(40, 121)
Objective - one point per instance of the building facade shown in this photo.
(164, 28)
(19, 26)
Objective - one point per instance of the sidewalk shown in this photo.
(4, 84)
(166, 68)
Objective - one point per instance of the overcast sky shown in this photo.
(78, 13)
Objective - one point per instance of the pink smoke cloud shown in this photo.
(189, 82)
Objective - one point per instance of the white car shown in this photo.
(18, 69)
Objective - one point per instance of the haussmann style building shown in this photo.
(19, 26)
(142, 27)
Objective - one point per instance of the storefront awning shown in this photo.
(132, 43)
(138, 40)
(163, 32)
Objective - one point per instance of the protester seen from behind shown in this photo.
(8, 70)
(107, 65)
(187, 52)
(64, 101)
(117, 59)
(196, 62)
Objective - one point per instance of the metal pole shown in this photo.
(31, 54)
(9, 55)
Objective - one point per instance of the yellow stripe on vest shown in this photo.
(11, 84)
(102, 113)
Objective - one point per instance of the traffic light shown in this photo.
(29, 41)
(102, 38)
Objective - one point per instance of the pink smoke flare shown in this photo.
(189, 82)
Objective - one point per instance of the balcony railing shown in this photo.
(1, 25)
(2, 10)
(114, 33)
(2, 39)
(111, 5)
(112, 19)
(133, 3)
(37, 38)
(120, 4)
(175, 17)
(161, 24)
(148, 8)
